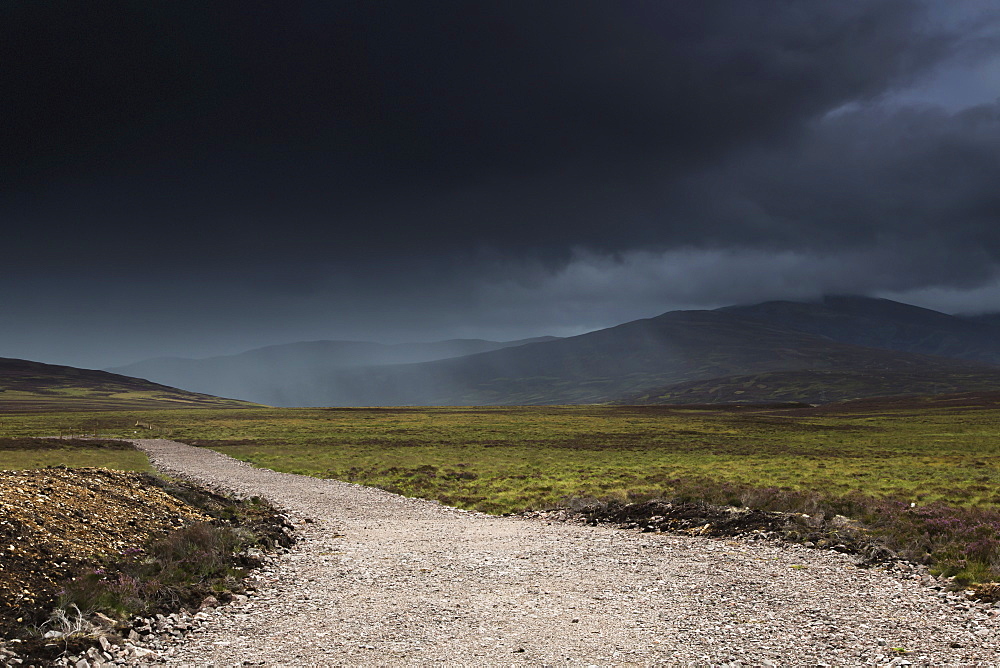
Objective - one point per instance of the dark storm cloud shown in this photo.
(919, 180)
(196, 178)
(293, 127)
(895, 201)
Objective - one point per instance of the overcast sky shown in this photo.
(190, 178)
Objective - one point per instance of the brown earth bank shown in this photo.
(57, 524)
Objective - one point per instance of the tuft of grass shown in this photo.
(67, 621)
(958, 542)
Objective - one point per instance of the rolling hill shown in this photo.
(824, 386)
(31, 386)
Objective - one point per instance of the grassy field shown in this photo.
(32, 453)
(870, 459)
(507, 459)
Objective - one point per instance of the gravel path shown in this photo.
(384, 579)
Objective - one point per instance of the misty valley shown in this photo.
(813, 352)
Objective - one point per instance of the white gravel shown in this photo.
(381, 579)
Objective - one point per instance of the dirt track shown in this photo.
(383, 579)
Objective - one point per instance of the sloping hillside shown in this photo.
(636, 359)
(931, 377)
(992, 319)
(28, 386)
(882, 323)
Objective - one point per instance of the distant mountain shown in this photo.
(882, 323)
(294, 374)
(644, 358)
(832, 349)
(28, 386)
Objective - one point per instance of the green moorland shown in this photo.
(926, 471)
(34, 453)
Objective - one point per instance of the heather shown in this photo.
(921, 474)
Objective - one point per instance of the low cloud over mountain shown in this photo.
(836, 348)
(196, 180)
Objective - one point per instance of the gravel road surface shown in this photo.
(381, 579)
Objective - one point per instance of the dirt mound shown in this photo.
(55, 521)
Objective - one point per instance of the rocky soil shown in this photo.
(54, 521)
(57, 524)
(382, 579)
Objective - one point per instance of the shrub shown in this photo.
(179, 569)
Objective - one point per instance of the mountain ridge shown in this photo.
(883, 323)
(675, 347)
(837, 347)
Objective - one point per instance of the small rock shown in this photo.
(209, 602)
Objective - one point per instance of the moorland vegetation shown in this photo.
(88, 547)
(922, 474)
